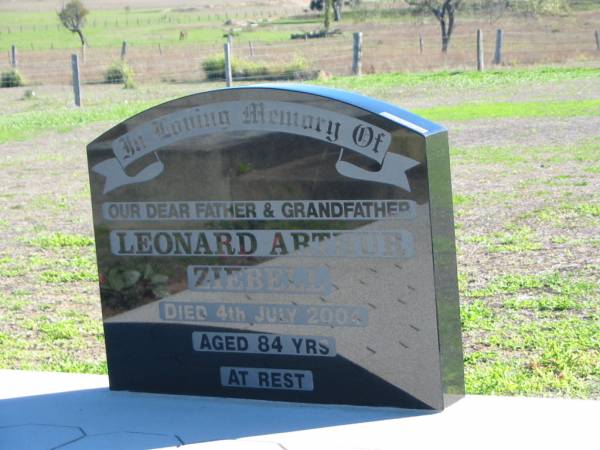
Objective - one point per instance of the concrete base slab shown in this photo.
(72, 411)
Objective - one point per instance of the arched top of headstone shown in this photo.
(381, 109)
(394, 113)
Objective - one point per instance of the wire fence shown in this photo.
(169, 17)
(410, 49)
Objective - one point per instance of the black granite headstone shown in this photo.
(282, 242)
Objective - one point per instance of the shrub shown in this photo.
(214, 68)
(11, 78)
(119, 73)
(253, 70)
(246, 69)
(541, 7)
(298, 70)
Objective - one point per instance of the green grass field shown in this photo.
(42, 30)
(34, 120)
(461, 79)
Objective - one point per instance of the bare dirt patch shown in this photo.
(523, 133)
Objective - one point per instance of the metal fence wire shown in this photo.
(381, 51)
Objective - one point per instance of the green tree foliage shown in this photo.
(72, 16)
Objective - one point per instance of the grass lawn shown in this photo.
(33, 120)
(527, 222)
(109, 28)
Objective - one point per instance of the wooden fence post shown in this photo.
(227, 49)
(13, 56)
(480, 51)
(124, 50)
(357, 54)
(420, 44)
(499, 42)
(76, 80)
(251, 48)
(597, 33)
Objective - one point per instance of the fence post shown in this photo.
(479, 50)
(420, 44)
(13, 56)
(499, 42)
(76, 80)
(597, 33)
(251, 48)
(357, 54)
(227, 49)
(124, 50)
(230, 42)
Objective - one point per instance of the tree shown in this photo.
(337, 10)
(327, 20)
(444, 11)
(72, 16)
(318, 5)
